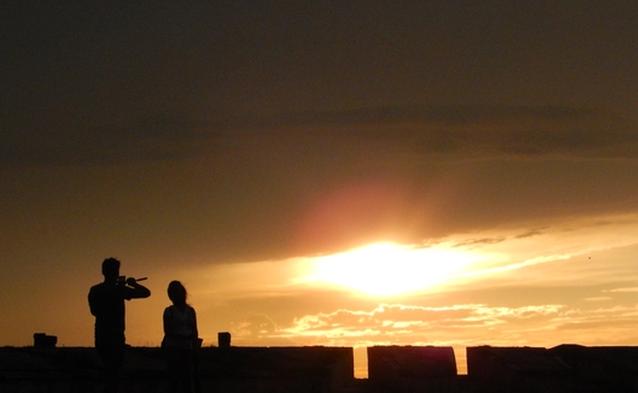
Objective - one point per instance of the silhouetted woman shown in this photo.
(180, 340)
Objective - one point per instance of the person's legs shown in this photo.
(187, 371)
(180, 370)
(112, 371)
(197, 388)
(111, 351)
(172, 369)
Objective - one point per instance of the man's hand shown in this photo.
(135, 290)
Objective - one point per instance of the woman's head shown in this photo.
(176, 292)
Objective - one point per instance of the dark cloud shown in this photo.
(445, 132)
(478, 132)
(534, 232)
(436, 115)
(477, 242)
(143, 139)
(496, 240)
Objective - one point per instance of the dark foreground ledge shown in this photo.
(400, 369)
(235, 369)
(565, 368)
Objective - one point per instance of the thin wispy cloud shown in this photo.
(622, 290)
(598, 299)
(460, 324)
(403, 323)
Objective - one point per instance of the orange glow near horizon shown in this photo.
(390, 269)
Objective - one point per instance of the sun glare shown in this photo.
(389, 269)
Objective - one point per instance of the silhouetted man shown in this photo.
(107, 305)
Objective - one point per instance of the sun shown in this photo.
(390, 269)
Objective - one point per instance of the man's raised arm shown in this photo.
(135, 290)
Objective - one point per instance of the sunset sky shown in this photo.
(324, 173)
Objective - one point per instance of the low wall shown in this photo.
(559, 369)
(411, 368)
(235, 369)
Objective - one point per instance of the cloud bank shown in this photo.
(405, 133)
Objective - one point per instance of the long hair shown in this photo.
(177, 293)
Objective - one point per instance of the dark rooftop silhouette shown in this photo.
(566, 368)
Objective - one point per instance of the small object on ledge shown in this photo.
(42, 340)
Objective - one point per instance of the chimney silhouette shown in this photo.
(223, 339)
(42, 340)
